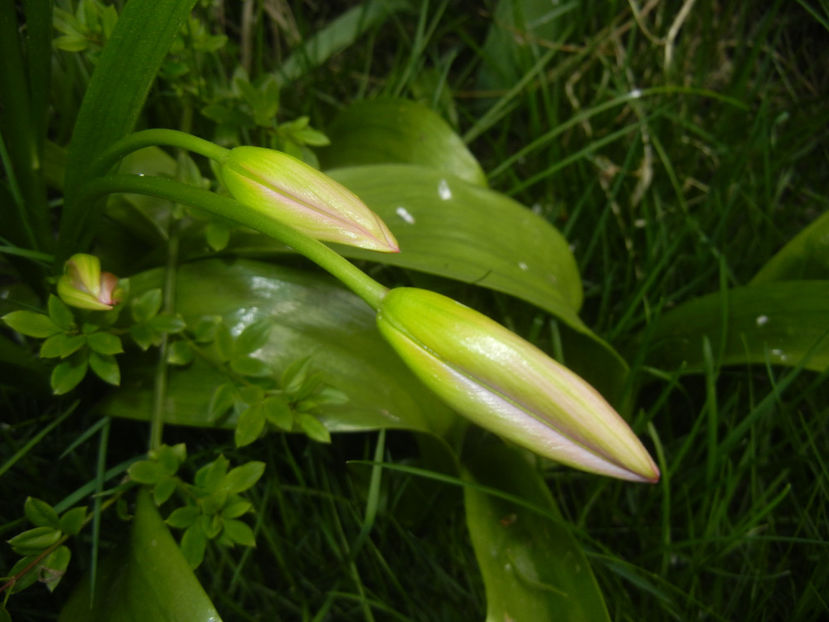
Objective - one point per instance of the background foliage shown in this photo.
(677, 147)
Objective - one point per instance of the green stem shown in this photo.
(352, 277)
(152, 138)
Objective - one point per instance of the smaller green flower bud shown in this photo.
(508, 386)
(291, 192)
(83, 285)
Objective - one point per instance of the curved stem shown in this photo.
(152, 138)
(352, 277)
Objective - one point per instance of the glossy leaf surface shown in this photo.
(312, 317)
(782, 323)
(146, 578)
(806, 256)
(533, 568)
(451, 228)
(398, 131)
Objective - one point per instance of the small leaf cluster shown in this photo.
(78, 345)
(259, 399)
(87, 29)
(214, 506)
(44, 559)
(150, 325)
(248, 105)
(213, 502)
(159, 470)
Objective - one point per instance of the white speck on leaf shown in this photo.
(444, 192)
(404, 214)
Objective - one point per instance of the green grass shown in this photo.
(686, 190)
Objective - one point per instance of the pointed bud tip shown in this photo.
(290, 191)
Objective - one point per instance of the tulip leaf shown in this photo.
(311, 317)
(806, 256)
(451, 228)
(782, 323)
(532, 566)
(146, 578)
(388, 131)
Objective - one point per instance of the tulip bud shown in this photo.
(83, 285)
(288, 190)
(510, 387)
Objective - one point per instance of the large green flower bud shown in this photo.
(510, 387)
(288, 190)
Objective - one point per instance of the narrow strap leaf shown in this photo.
(114, 99)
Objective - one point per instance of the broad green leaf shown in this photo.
(806, 256)
(398, 131)
(312, 316)
(147, 578)
(451, 228)
(783, 323)
(532, 566)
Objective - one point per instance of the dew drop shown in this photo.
(444, 192)
(404, 214)
(762, 320)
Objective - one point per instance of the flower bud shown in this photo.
(83, 285)
(508, 386)
(288, 190)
